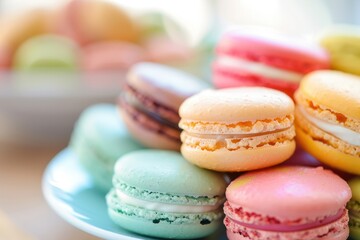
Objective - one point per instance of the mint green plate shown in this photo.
(70, 193)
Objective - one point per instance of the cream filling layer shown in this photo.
(338, 131)
(259, 69)
(165, 207)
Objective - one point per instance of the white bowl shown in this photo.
(41, 108)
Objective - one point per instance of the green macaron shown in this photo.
(159, 194)
(47, 53)
(98, 140)
(354, 208)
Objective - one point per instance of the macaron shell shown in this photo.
(342, 48)
(229, 79)
(239, 160)
(327, 154)
(107, 56)
(98, 140)
(236, 105)
(148, 134)
(293, 55)
(92, 21)
(47, 52)
(168, 172)
(141, 221)
(326, 232)
(300, 194)
(17, 29)
(355, 188)
(334, 90)
(163, 230)
(108, 21)
(165, 85)
(5, 58)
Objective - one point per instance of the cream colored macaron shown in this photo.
(237, 129)
(328, 118)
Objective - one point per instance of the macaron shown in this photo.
(159, 194)
(150, 101)
(17, 28)
(287, 203)
(110, 56)
(253, 58)
(99, 138)
(328, 118)
(47, 53)
(342, 42)
(5, 58)
(237, 129)
(87, 21)
(354, 208)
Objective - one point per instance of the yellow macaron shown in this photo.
(237, 129)
(343, 45)
(327, 118)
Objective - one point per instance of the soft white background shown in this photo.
(299, 18)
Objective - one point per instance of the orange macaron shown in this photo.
(328, 118)
(237, 129)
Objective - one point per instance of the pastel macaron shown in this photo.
(150, 101)
(88, 21)
(17, 28)
(287, 203)
(99, 138)
(354, 208)
(328, 118)
(111, 56)
(237, 129)
(158, 193)
(253, 58)
(342, 42)
(47, 53)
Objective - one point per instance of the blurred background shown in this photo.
(59, 56)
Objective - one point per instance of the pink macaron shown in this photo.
(5, 59)
(287, 203)
(249, 58)
(111, 56)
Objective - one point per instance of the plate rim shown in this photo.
(55, 203)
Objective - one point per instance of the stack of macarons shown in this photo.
(177, 188)
(197, 136)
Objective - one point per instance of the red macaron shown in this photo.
(249, 58)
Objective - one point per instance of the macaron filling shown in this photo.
(245, 127)
(213, 142)
(164, 207)
(154, 196)
(284, 227)
(338, 131)
(145, 104)
(156, 217)
(238, 65)
(143, 109)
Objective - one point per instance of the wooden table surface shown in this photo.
(21, 200)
